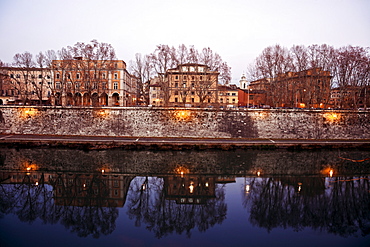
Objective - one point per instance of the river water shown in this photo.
(61, 197)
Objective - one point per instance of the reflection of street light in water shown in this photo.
(247, 188)
(191, 187)
(299, 187)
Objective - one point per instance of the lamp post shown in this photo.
(248, 97)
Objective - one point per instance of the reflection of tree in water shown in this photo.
(147, 204)
(343, 207)
(30, 202)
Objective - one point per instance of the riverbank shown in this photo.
(159, 143)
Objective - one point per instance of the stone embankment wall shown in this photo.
(190, 122)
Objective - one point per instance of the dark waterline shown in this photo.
(210, 198)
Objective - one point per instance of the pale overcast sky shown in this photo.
(238, 30)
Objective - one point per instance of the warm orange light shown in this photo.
(191, 187)
(183, 115)
(182, 170)
(247, 188)
(331, 117)
(102, 171)
(331, 173)
(37, 183)
(258, 173)
(28, 112)
(299, 187)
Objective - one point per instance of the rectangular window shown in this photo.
(58, 76)
(115, 85)
(115, 76)
(176, 100)
(78, 76)
(40, 76)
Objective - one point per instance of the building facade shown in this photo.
(25, 86)
(228, 96)
(81, 82)
(189, 85)
(304, 89)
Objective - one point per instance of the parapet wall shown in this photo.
(189, 122)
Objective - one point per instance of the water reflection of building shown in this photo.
(93, 189)
(309, 186)
(189, 189)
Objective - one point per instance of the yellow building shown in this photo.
(228, 96)
(190, 85)
(93, 83)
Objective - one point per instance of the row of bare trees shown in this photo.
(349, 66)
(32, 74)
(144, 67)
(164, 57)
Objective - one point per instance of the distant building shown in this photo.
(305, 89)
(243, 82)
(350, 97)
(254, 95)
(82, 82)
(31, 86)
(187, 85)
(155, 93)
(228, 96)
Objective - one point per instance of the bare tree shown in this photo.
(352, 75)
(141, 68)
(83, 68)
(165, 57)
(23, 79)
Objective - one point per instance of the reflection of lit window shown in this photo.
(183, 200)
